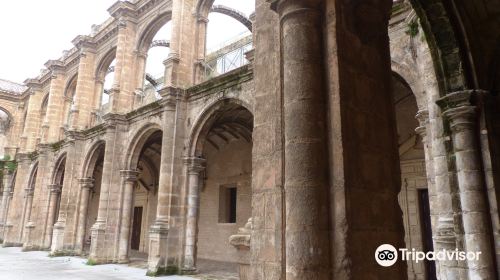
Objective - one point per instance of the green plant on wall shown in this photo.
(412, 29)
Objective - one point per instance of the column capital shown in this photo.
(280, 6)
(461, 118)
(55, 188)
(460, 98)
(423, 120)
(87, 183)
(129, 175)
(29, 191)
(195, 164)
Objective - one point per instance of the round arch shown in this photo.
(33, 174)
(57, 173)
(203, 7)
(9, 114)
(91, 157)
(149, 32)
(443, 44)
(139, 138)
(203, 123)
(70, 83)
(105, 61)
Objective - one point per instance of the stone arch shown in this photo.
(32, 176)
(443, 44)
(70, 83)
(407, 78)
(91, 157)
(58, 171)
(235, 14)
(7, 123)
(201, 124)
(105, 61)
(45, 101)
(203, 7)
(148, 33)
(9, 114)
(135, 145)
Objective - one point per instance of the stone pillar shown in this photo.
(80, 111)
(462, 116)
(424, 132)
(305, 181)
(27, 222)
(4, 204)
(55, 107)
(182, 40)
(55, 192)
(129, 178)
(121, 97)
(157, 259)
(32, 122)
(194, 167)
(86, 185)
(202, 22)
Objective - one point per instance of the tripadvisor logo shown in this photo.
(387, 255)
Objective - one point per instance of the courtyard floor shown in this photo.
(17, 265)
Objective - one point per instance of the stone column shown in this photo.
(462, 117)
(157, 259)
(86, 185)
(194, 167)
(4, 204)
(424, 132)
(80, 112)
(121, 97)
(202, 22)
(27, 222)
(55, 192)
(54, 118)
(129, 178)
(305, 181)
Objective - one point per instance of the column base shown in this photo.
(97, 244)
(157, 259)
(29, 244)
(57, 238)
(189, 271)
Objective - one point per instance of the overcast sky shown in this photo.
(34, 31)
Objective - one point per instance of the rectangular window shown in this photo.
(227, 204)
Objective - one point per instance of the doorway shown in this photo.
(136, 229)
(425, 221)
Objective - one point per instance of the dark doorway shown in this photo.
(425, 221)
(136, 228)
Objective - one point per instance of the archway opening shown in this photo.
(94, 172)
(155, 51)
(225, 142)
(414, 195)
(225, 51)
(69, 101)
(4, 127)
(145, 194)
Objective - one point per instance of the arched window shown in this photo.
(69, 101)
(154, 72)
(42, 132)
(4, 126)
(225, 51)
(107, 85)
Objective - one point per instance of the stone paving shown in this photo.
(18, 265)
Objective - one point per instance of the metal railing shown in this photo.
(225, 62)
